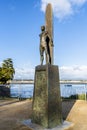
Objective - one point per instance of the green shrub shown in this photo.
(81, 96)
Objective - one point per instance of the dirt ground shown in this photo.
(13, 113)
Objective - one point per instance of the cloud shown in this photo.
(63, 8)
(24, 72)
(78, 2)
(21, 73)
(0, 64)
(73, 72)
(66, 72)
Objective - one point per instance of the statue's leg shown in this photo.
(49, 56)
(46, 55)
(49, 59)
(41, 56)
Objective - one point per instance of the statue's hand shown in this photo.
(52, 43)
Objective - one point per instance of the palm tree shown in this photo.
(7, 70)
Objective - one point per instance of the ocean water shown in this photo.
(21, 90)
(26, 90)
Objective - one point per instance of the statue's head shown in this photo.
(42, 28)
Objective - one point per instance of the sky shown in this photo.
(20, 22)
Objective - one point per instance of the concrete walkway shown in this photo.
(65, 125)
(6, 102)
(12, 115)
(78, 115)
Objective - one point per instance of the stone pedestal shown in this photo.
(47, 110)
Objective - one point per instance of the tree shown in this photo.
(7, 70)
(0, 74)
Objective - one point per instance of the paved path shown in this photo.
(78, 115)
(6, 102)
(12, 115)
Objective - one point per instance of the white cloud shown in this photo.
(78, 2)
(21, 73)
(24, 72)
(0, 65)
(73, 72)
(63, 8)
(66, 72)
